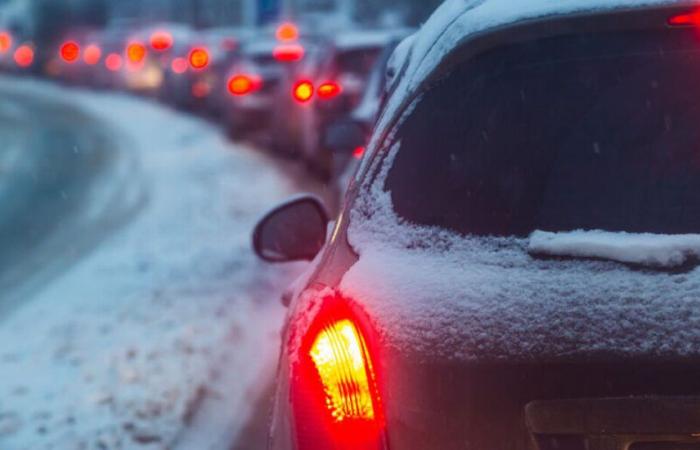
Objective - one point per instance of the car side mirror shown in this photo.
(294, 231)
(344, 136)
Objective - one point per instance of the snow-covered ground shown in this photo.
(172, 311)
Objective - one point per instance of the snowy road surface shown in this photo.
(150, 325)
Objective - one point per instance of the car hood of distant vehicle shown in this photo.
(435, 295)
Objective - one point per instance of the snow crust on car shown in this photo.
(646, 249)
(438, 296)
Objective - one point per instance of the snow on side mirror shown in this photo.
(293, 231)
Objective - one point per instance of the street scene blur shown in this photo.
(349, 225)
(140, 141)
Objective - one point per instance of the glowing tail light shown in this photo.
(359, 152)
(287, 32)
(136, 52)
(161, 41)
(179, 65)
(288, 52)
(199, 58)
(113, 62)
(24, 56)
(92, 54)
(244, 84)
(340, 356)
(5, 42)
(335, 392)
(685, 20)
(329, 90)
(70, 52)
(303, 91)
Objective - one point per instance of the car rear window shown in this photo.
(591, 131)
(358, 61)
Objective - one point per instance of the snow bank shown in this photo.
(118, 353)
(634, 248)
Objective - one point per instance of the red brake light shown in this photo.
(359, 152)
(24, 55)
(5, 41)
(685, 20)
(199, 58)
(113, 62)
(244, 84)
(136, 52)
(335, 391)
(329, 90)
(287, 32)
(70, 51)
(161, 41)
(288, 52)
(92, 54)
(303, 91)
(179, 65)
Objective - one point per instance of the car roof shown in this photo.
(367, 38)
(456, 20)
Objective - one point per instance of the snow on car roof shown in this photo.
(367, 38)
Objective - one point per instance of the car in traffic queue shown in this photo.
(326, 87)
(515, 263)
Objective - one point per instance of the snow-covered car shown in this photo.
(516, 262)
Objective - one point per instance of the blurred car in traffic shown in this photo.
(511, 267)
(328, 86)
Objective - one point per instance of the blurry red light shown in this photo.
(70, 51)
(329, 90)
(199, 58)
(201, 89)
(136, 52)
(114, 62)
(179, 65)
(24, 55)
(288, 52)
(287, 32)
(5, 41)
(687, 19)
(303, 91)
(161, 41)
(92, 54)
(244, 84)
(359, 152)
(229, 44)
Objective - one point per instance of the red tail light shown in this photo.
(5, 42)
(92, 54)
(329, 90)
(113, 62)
(335, 392)
(685, 20)
(359, 152)
(24, 55)
(70, 51)
(288, 52)
(136, 52)
(199, 58)
(244, 84)
(287, 32)
(161, 41)
(303, 91)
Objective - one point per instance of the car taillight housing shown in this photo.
(335, 394)
(70, 51)
(329, 90)
(688, 19)
(244, 84)
(303, 91)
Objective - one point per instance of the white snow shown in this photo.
(437, 296)
(635, 248)
(169, 310)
